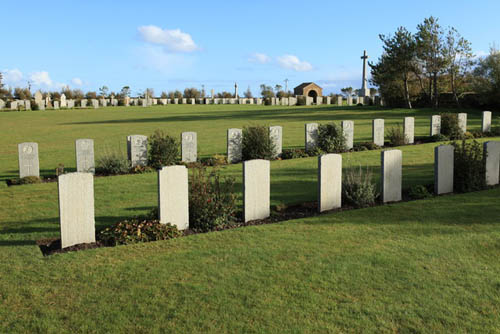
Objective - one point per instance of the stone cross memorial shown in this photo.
(173, 197)
(189, 149)
(329, 182)
(378, 131)
(276, 136)
(137, 150)
(311, 136)
(409, 130)
(443, 169)
(435, 125)
(256, 189)
(28, 160)
(85, 156)
(492, 151)
(234, 145)
(348, 131)
(392, 161)
(486, 121)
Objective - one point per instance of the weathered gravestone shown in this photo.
(319, 100)
(349, 100)
(435, 125)
(76, 208)
(311, 136)
(258, 101)
(492, 152)
(184, 101)
(95, 103)
(189, 146)
(41, 106)
(486, 121)
(309, 101)
(85, 162)
(378, 131)
(391, 181)
(38, 98)
(340, 101)
(328, 100)
(361, 100)
(83, 103)
(462, 122)
(443, 169)
(27, 105)
(144, 103)
(256, 189)
(329, 182)
(104, 102)
(173, 196)
(63, 103)
(28, 160)
(71, 103)
(276, 136)
(292, 101)
(56, 104)
(348, 131)
(234, 145)
(409, 130)
(192, 101)
(176, 101)
(2, 104)
(137, 150)
(13, 105)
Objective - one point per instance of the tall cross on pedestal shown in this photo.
(365, 81)
(235, 90)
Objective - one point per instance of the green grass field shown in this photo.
(419, 267)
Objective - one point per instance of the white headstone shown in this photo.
(173, 196)
(41, 106)
(189, 147)
(492, 152)
(409, 130)
(76, 208)
(462, 122)
(63, 101)
(328, 100)
(348, 131)
(319, 100)
(2, 104)
(349, 100)
(435, 125)
(28, 160)
(95, 103)
(27, 105)
(83, 103)
(38, 97)
(486, 121)
(56, 104)
(378, 131)
(311, 136)
(392, 161)
(443, 169)
(85, 162)
(329, 182)
(276, 136)
(70, 103)
(137, 149)
(234, 145)
(13, 105)
(340, 101)
(256, 189)
(309, 101)
(292, 101)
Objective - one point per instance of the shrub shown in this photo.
(212, 200)
(331, 139)
(449, 126)
(163, 150)
(112, 163)
(419, 192)
(366, 146)
(137, 230)
(440, 137)
(257, 144)
(358, 189)
(396, 136)
(293, 153)
(215, 160)
(469, 167)
(30, 180)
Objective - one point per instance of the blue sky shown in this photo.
(167, 45)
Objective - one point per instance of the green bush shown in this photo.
(440, 137)
(257, 144)
(396, 136)
(293, 153)
(112, 163)
(449, 126)
(366, 146)
(30, 180)
(137, 230)
(331, 139)
(215, 160)
(212, 200)
(419, 192)
(469, 167)
(163, 150)
(358, 189)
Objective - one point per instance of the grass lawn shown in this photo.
(419, 267)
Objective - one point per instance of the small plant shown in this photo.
(60, 170)
(293, 153)
(163, 150)
(331, 139)
(469, 167)
(212, 200)
(29, 180)
(366, 146)
(396, 136)
(112, 163)
(358, 189)
(257, 144)
(440, 137)
(449, 126)
(137, 230)
(215, 160)
(419, 192)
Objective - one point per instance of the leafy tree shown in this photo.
(248, 93)
(125, 91)
(347, 91)
(149, 92)
(192, 93)
(278, 88)
(224, 95)
(22, 93)
(164, 95)
(91, 95)
(373, 91)
(103, 91)
(266, 91)
(487, 78)
(77, 94)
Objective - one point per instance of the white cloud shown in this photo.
(294, 63)
(260, 58)
(77, 81)
(41, 78)
(481, 54)
(172, 40)
(12, 76)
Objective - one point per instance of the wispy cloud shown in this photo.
(294, 63)
(77, 81)
(260, 58)
(172, 40)
(12, 76)
(41, 78)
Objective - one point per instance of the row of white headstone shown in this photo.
(76, 190)
(137, 145)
